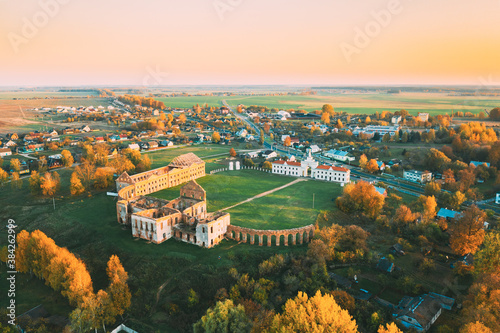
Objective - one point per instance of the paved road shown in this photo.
(242, 118)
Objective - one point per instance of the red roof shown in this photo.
(334, 168)
(287, 162)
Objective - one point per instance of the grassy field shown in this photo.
(225, 189)
(432, 103)
(290, 207)
(87, 226)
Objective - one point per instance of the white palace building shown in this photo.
(320, 172)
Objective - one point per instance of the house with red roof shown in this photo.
(331, 173)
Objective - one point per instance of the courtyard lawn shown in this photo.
(228, 188)
(287, 208)
(164, 157)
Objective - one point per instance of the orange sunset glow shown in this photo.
(71, 42)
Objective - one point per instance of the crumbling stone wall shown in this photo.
(286, 236)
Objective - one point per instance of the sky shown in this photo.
(246, 42)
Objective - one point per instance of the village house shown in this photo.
(477, 163)
(421, 312)
(423, 116)
(417, 176)
(5, 152)
(339, 155)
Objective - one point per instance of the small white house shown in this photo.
(134, 146)
(5, 152)
(497, 199)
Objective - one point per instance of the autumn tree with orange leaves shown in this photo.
(467, 232)
(361, 197)
(319, 313)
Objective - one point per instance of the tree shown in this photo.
(16, 182)
(372, 166)
(121, 164)
(215, 137)
(487, 260)
(76, 186)
(428, 205)
(467, 232)
(436, 160)
(15, 165)
(495, 114)
(224, 317)
(363, 161)
(103, 177)
(404, 216)
(232, 152)
(144, 164)
(404, 137)
(362, 197)
(49, 185)
(432, 188)
(4, 176)
(456, 200)
(288, 141)
(267, 165)
(386, 137)
(389, 328)
(476, 327)
(85, 172)
(182, 118)
(467, 178)
(248, 162)
(67, 158)
(118, 290)
(339, 124)
(325, 118)
(327, 108)
(319, 313)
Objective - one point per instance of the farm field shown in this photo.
(432, 103)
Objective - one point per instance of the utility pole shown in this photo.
(54, 202)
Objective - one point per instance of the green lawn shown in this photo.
(290, 207)
(227, 188)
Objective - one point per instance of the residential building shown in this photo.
(423, 116)
(315, 149)
(477, 163)
(267, 154)
(331, 174)
(417, 176)
(339, 155)
(134, 146)
(5, 152)
(447, 213)
(497, 199)
(395, 120)
(370, 130)
(421, 312)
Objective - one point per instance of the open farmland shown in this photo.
(433, 103)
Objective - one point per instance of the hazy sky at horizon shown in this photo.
(249, 42)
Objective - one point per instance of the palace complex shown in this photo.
(185, 218)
